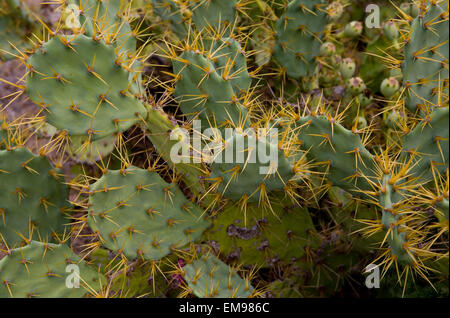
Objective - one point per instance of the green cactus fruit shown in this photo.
(353, 29)
(335, 10)
(405, 7)
(207, 89)
(263, 237)
(365, 100)
(47, 270)
(355, 86)
(82, 150)
(361, 122)
(389, 87)
(298, 37)
(393, 120)
(251, 168)
(83, 86)
(136, 212)
(427, 145)
(347, 68)
(390, 30)
(328, 49)
(414, 10)
(209, 277)
(425, 66)
(33, 198)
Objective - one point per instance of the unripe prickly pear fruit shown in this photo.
(393, 119)
(335, 10)
(353, 29)
(347, 68)
(405, 7)
(336, 61)
(356, 86)
(389, 87)
(390, 30)
(414, 10)
(327, 49)
(361, 122)
(364, 100)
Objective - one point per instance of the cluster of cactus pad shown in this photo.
(344, 128)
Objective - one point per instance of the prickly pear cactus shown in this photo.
(299, 33)
(43, 269)
(218, 148)
(426, 56)
(209, 277)
(83, 85)
(137, 213)
(34, 199)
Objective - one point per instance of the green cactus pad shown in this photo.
(138, 213)
(85, 151)
(13, 31)
(43, 269)
(262, 237)
(107, 17)
(251, 173)
(212, 13)
(203, 92)
(84, 97)
(427, 143)
(33, 198)
(209, 277)
(299, 32)
(426, 58)
(338, 148)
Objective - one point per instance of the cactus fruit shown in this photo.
(298, 37)
(34, 198)
(43, 270)
(347, 68)
(390, 30)
(353, 29)
(137, 213)
(389, 87)
(74, 92)
(356, 86)
(328, 49)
